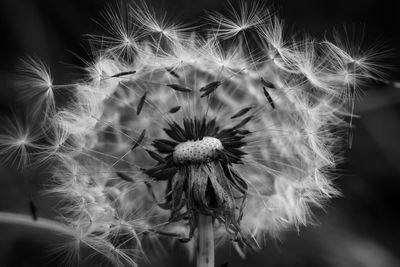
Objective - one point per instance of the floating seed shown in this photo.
(241, 112)
(209, 88)
(173, 73)
(174, 109)
(141, 103)
(125, 177)
(139, 140)
(123, 73)
(267, 84)
(180, 88)
(212, 85)
(269, 98)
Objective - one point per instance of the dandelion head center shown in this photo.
(21, 142)
(198, 151)
(127, 41)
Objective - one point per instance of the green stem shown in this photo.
(205, 242)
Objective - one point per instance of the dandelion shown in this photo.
(197, 137)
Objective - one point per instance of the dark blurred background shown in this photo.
(360, 229)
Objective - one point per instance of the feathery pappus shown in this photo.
(238, 122)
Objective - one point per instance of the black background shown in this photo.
(360, 229)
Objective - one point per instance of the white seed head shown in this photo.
(197, 151)
(163, 70)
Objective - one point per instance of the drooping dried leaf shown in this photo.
(156, 156)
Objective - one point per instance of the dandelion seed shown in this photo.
(174, 109)
(267, 84)
(268, 96)
(141, 103)
(148, 20)
(248, 17)
(124, 73)
(209, 88)
(241, 112)
(173, 73)
(125, 177)
(36, 85)
(139, 140)
(122, 36)
(179, 88)
(19, 143)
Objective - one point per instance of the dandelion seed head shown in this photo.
(172, 123)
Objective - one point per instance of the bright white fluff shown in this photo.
(19, 142)
(287, 100)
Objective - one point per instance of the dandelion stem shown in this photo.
(22, 219)
(205, 242)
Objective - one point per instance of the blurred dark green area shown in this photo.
(360, 229)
